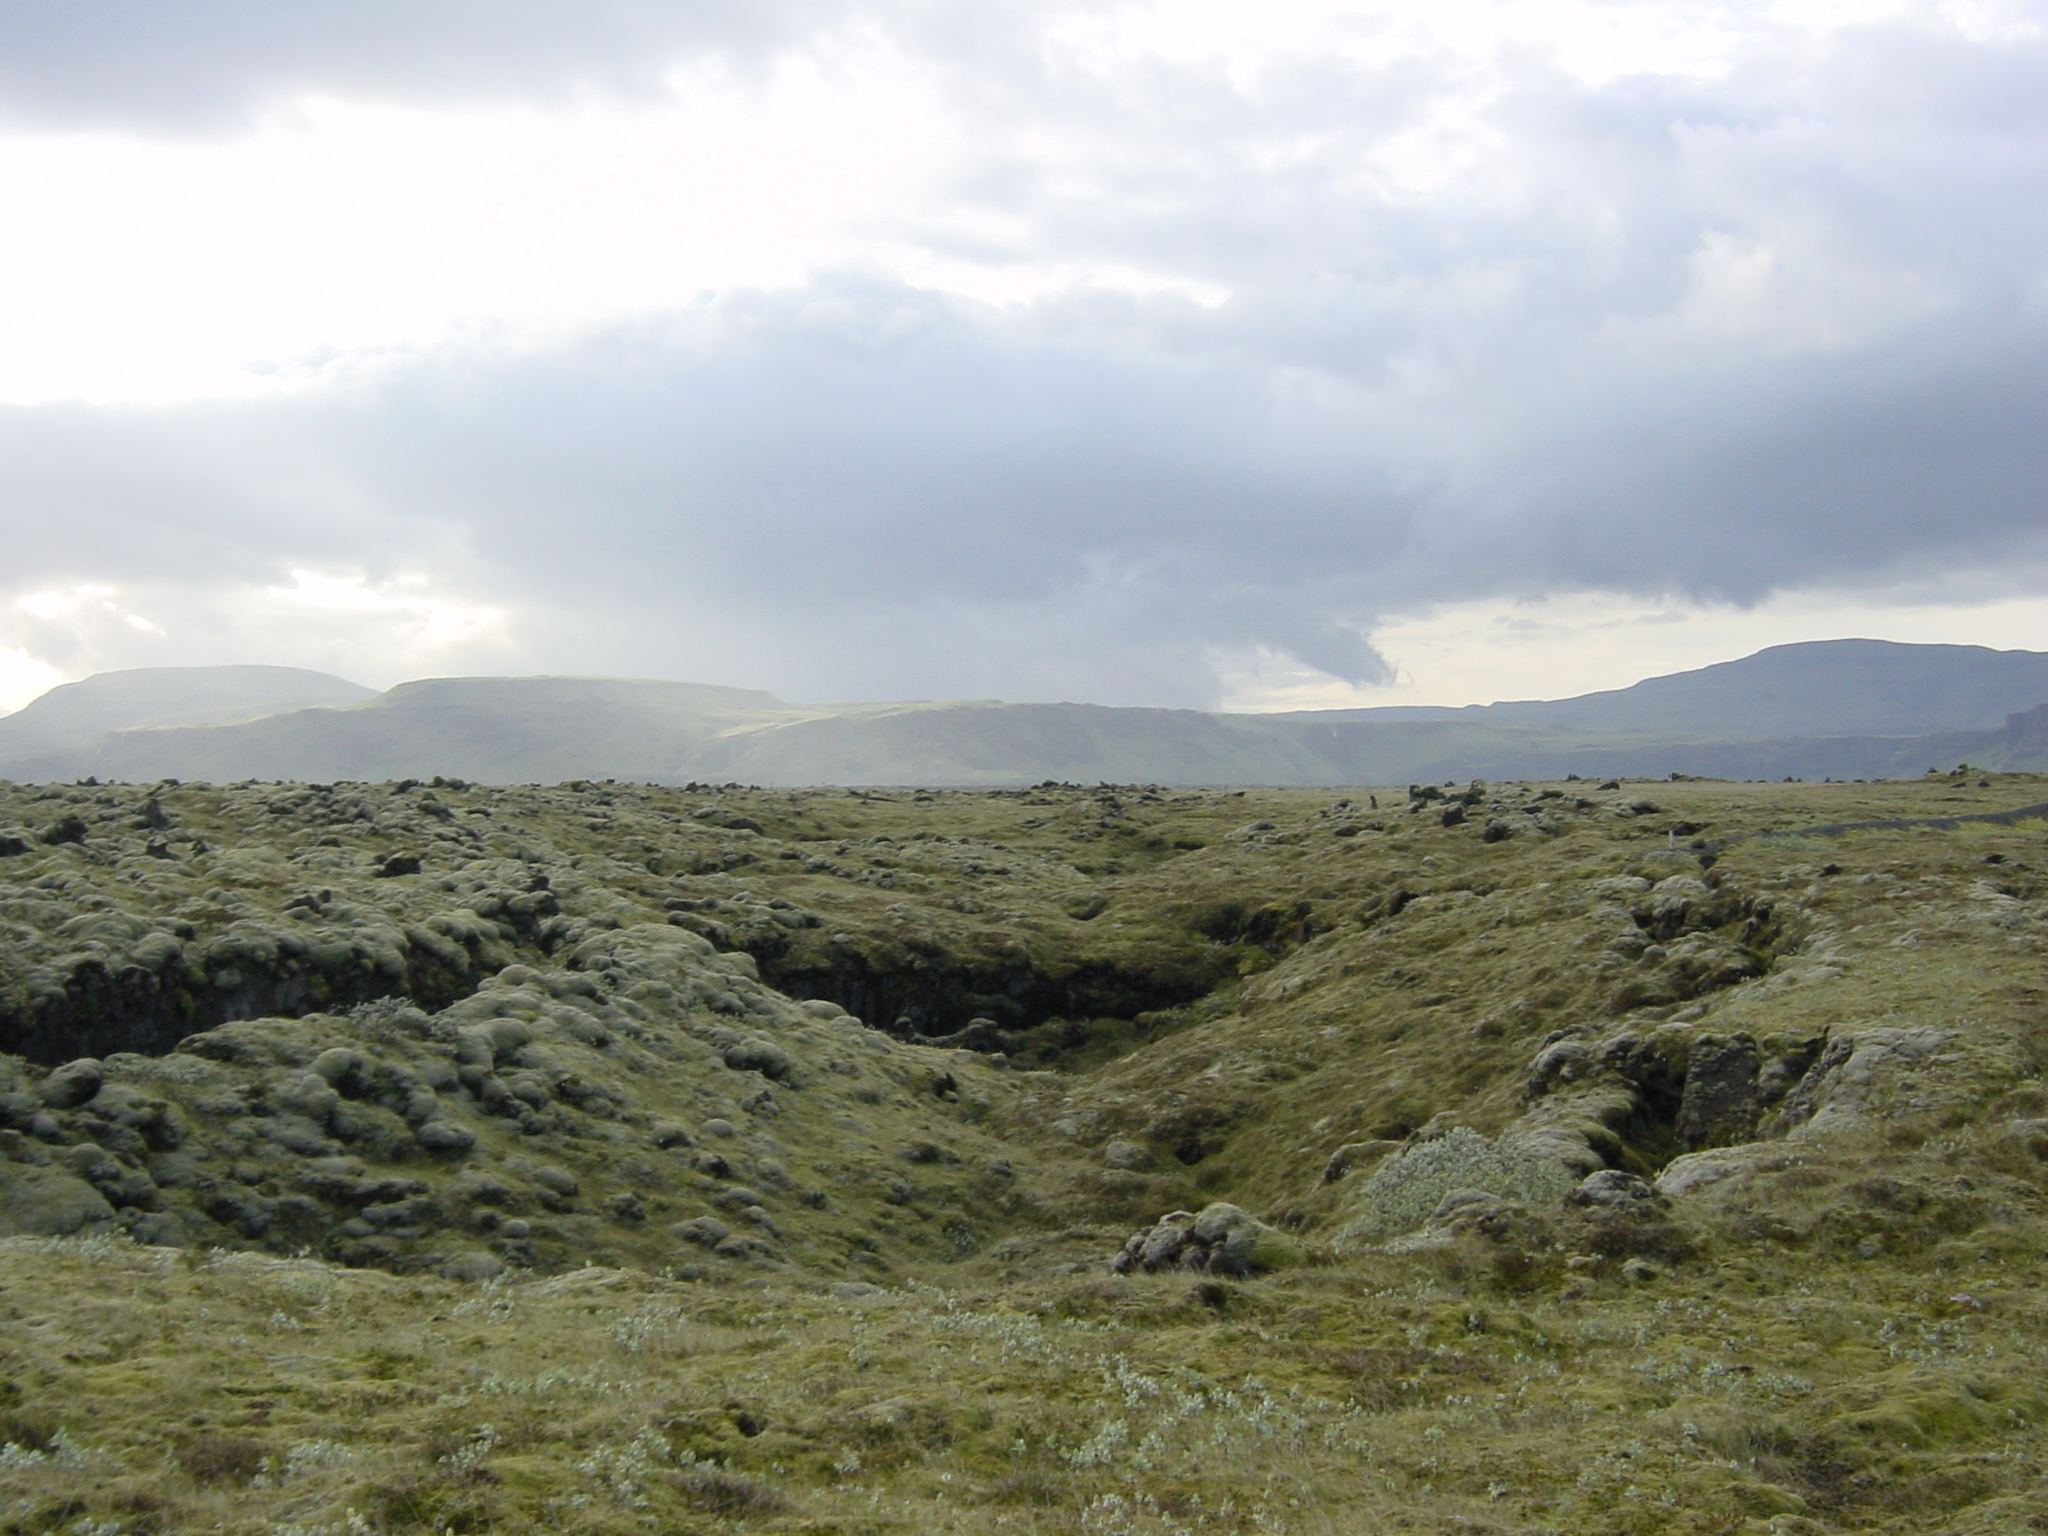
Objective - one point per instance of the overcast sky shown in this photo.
(1272, 354)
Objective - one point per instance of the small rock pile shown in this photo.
(1220, 1239)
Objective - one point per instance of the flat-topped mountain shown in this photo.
(75, 715)
(499, 729)
(1832, 709)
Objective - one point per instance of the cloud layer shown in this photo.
(210, 65)
(1298, 347)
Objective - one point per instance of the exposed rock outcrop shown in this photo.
(1220, 1239)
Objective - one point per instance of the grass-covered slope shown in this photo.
(605, 1158)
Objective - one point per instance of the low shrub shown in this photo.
(1406, 1188)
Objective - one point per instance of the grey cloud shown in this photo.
(860, 460)
(209, 63)
(859, 490)
(1850, 477)
(208, 495)
(974, 458)
(1902, 144)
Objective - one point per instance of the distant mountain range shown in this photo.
(1825, 709)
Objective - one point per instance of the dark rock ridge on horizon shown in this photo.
(1847, 709)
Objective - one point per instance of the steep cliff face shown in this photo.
(2025, 744)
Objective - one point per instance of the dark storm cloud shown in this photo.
(863, 491)
(851, 452)
(869, 471)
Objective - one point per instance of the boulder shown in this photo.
(444, 1136)
(472, 1268)
(159, 1124)
(119, 1184)
(1613, 1189)
(341, 1069)
(757, 1055)
(704, 1231)
(296, 1133)
(1702, 1170)
(72, 1084)
(1163, 1244)
(983, 1036)
(1854, 1071)
(1123, 1154)
(1230, 1235)
(160, 1229)
(556, 1181)
(66, 829)
(1562, 1061)
(1719, 1106)
(49, 1202)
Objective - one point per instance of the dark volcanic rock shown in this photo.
(1719, 1103)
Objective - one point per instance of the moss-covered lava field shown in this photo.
(1518, 1158)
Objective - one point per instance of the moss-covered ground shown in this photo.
(608, 1158)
